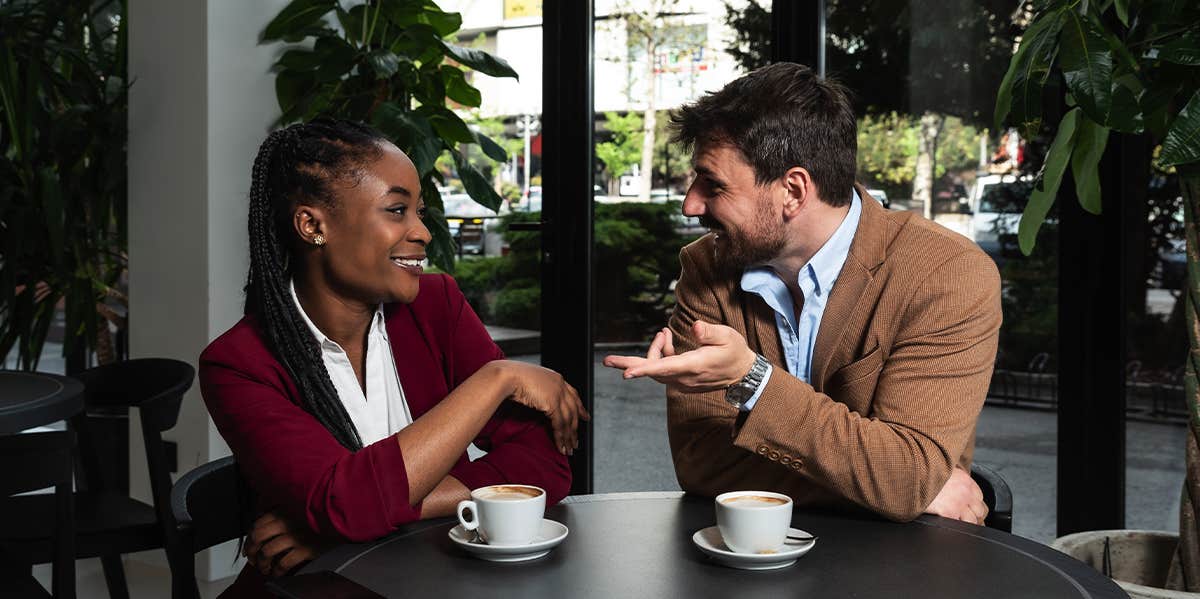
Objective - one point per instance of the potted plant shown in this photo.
(1131, 66)
(391, 64)
(62, 176)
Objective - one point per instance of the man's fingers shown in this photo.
(668, 343)
(656, 347)
(623, 362)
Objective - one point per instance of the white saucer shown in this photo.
(710, 542)
(551, 534)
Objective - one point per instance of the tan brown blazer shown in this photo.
(900, 370)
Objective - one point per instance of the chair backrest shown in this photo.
(210, 504)
(33, 461)
(996, 495)
(155, 386)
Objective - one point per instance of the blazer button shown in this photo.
(785, 460)
(762, 450)
(796, 465)
(774, 455)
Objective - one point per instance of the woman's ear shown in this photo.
(309, 224)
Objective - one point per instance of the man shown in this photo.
(821, 346)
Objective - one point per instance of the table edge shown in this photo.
(62, 404)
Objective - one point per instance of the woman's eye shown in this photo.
(422, 212)
(400, 210)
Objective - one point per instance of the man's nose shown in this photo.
(693, 203)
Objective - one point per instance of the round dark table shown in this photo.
(29, 399)
(640, 545)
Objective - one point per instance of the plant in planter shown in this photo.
(1131, 66)
(62, 175)
(389, 63)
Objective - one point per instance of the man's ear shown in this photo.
(309, 223)
(798, 186)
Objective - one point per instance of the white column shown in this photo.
(201, 102)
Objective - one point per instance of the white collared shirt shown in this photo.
(383, 410)
(798, 332)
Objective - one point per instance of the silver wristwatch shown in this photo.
(740, 392)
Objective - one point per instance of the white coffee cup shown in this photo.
(754, 521)
(505, 514)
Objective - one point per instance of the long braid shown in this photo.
(296, 164)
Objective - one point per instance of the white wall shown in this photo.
(202, 100)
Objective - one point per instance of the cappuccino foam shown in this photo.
(509, 493)
(754, 501)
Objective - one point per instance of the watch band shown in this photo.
(740, 392)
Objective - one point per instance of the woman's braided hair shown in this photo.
(296, 166)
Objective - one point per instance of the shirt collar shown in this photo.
(823, 268)
(377, 323)
(817, 276)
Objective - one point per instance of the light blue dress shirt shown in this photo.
(816, 279)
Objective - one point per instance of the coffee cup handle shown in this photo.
(473, 523)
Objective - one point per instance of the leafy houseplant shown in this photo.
(385, 62)
(62, 173)
(1131, 66)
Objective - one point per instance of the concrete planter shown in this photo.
(1139, 559)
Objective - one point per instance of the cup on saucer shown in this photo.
(754, 522)
(504, 514)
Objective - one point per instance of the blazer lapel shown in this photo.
(761, 327)
(854, 286)
(419, 375)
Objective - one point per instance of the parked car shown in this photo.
(996, 205)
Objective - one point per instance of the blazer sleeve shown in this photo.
(518, 440)
(929, 392)
(295, 463)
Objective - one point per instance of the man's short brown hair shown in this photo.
(779, 117)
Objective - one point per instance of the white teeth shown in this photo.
(408, 263)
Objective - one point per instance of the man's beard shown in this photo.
(735, 251)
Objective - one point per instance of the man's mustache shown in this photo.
(709, 222)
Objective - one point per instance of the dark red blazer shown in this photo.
(295, 465)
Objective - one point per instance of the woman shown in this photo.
(352, 387)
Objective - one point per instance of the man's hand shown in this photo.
(276, 546)
(722, 359)
(959, 499)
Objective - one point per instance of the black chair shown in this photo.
(30, 462)
(109, 523)
(996, 495)
(211, 504)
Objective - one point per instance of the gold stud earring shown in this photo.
(319, 240)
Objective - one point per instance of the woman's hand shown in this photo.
(276, 546)
(545, 391)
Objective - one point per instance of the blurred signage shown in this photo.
(520, 9)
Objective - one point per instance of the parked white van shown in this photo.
(997, 203)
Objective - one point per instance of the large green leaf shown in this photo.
(476, 184)
(492, 149)
(480, 61)
(1087, 65)
(1090, 140)
(383, 63)
(1020, 92)
(1123, 11)
(411, 132)
(299, 14)
(337, 57)
(450, 126)
(1046, 191)
(291, 87)
(1183, 50)
(299, 59)
(1182, 144)
(406, 14)
(440, 250)
(458, 89)
(1125, 114)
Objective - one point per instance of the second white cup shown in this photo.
(505, 514)
(754, 521)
